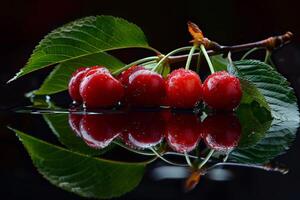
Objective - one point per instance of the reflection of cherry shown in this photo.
(99, 131)
(144, 129)
(183, 132)
(222, 132)
(74, 121)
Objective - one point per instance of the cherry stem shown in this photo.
(169, 54)
(269, 43)
(250, 52)
(267, 56)
(210, 65)
(137, 62)
(206, 158)
(198, 63)
(189, 59)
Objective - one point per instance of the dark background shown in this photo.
(24, 23)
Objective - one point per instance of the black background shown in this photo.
(24, 23)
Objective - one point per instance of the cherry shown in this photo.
(74, 121)
(222, 131)
(144, 129)
(183, 132)
(100, 89)
(98, 131)
(184, 88)
(124, 76)
(222, 91)
(145, 88)
(74, 84)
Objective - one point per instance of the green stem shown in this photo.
(267, 56)
(189, 59)
(250, 51)
(169, 54)
(198, 63)
(206, 158)
(143, 60)
(210, 65)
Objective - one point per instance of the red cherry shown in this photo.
(95, 69)
(100, 89)
(124, 76)
(74, 121)
(140, 134)
(222, 132)
(74, 84)
(184, 88)
(222, 91)
(98, 131)
(145, 88)
(183, 132)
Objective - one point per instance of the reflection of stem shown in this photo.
(167, 161)
(133, 150)
(206, 158)
(266, 167)
(187, 158)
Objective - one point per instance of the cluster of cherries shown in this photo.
(182, 131)
(96, 87)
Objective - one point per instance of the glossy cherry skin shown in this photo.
(222, 132)
(74, 84)
(145, 88)
(98, 131)
(184, 88)
(74, 121)
(222, 91)
(183, 132)
(124, 76)
(101, 90)
(144, 129)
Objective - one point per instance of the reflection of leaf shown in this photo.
(58, 79)
(272, 85)
(255, 121)
(275, 142)
(59, 125)
(81, 174)
(83, 38)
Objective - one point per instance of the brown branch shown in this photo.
(214, 48)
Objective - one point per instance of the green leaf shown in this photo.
(59, 125)
(83, 38)
(275, 142)
(252, 94)
(272, 85)
(219, 62)
(58, 79)
(255, 121)
(81, 174)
